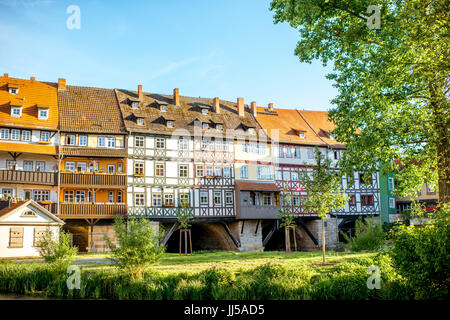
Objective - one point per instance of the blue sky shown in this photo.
(224, 48)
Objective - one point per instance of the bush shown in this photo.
(54, 251)
(369, 236)
(139, 246)
(421, 254)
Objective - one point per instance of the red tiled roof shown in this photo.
(256, 186)
(11, 207)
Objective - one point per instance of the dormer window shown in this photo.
(170, 123)
(163, 108)
(219, 126)
(135, 105)
(13, 89)
(331, 136)
(140, 121)
(16, 112)
(301, 135)
(205, 125)
(43, 114)
(204, 111)
(251, 130)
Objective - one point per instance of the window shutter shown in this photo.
(16, 237)
(39, 233)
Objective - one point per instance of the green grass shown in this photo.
(216, 275)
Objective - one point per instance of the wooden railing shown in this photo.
(29, 177)
(94, 179)
(87, 210)
(259, 212)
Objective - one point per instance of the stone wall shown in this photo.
(250, 241)
(331, 232)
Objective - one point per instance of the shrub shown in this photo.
(421, 254)
(369, 236)
(57, 251)
(139, 246)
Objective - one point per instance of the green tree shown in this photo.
(323, 188)
(138, 245)
(286, 215)
(184, 215)
(392, 110)
(59, 251)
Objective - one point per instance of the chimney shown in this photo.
(270, 106)
(32, 78)
(216, 103)
(253, 108)
(5, 75)
(140, 95)
(240, 107)
(61, 84)
(176, 97)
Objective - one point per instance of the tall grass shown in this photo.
(346, 280)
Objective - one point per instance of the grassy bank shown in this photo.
(217, 275)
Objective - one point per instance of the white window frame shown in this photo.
(139, 141)
(82, 141)
(43, 114)
(4, 134)
(228, 197)
(200, 170)
(391, 184)
(391, 203)
(13, 113)
(26, 135)
(183, 171)
(244, 172)
(70, 139)
(45, 136)
(157, 200)
(203, 197)
(139, 199)
(160, 143)
(217, 198)
(15, 134)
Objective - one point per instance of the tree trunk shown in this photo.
(323, 240)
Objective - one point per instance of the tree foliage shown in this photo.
(286, 215)
(57, 250)
(184, 215)
(392, 110)
(138, 245)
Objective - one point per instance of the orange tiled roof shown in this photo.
(31, 94)
(89, 109)
(11, 207)
(318, 120)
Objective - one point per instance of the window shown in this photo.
(111, 168)
(119, 197)
(217, 198)
(204, 111)
(280, 152)
(70, 166)
(16, 237)
(244, 172)
(366, 200)
(204, 144)
(10, 165)
(39, 233)
(209, 171)
(170, 123)
(80, 196)
(16, 112)
(89, 197)
(4, 134)
(392, 203)
(26, 135)
(182, 143)
(101, 141)
(159, 170)
(294, 176)
(160, 143)
(27, 165)
(296, 200)
(298, 152)
(110, 196)
(140, 121)
(81, 167)
(41, 195)
(203, 197)
(135, 105)
(40, 166)
(119, 167)
(337, 155)
(163, 108)
(168, 199)
(265, 173)
(70, 139)
(183, 171)
(267, 199)
(225, 146)
(205, 126)
(301, 135)
(184, 198)
(138, 199)
(68, 196)
(43, 114)
(156, 200)
(218, 145)
(226, 172)
(391, 183)
(28, 194)
(7, 193)
(110, 142)
(199, 171)
(82, 141)
(251, 130)
(278, 175)
(13, 90)
(29, 213)
(139, 168)
(229, 197)
(219, 126)
(429, 189)
(45, 136)
(218, 171)
(310, 153)
(139, 141)
(352, 200)
(289, 152)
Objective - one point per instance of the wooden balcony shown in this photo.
(29, 177)
(97, 180)
(87, 210)
(259, 212)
